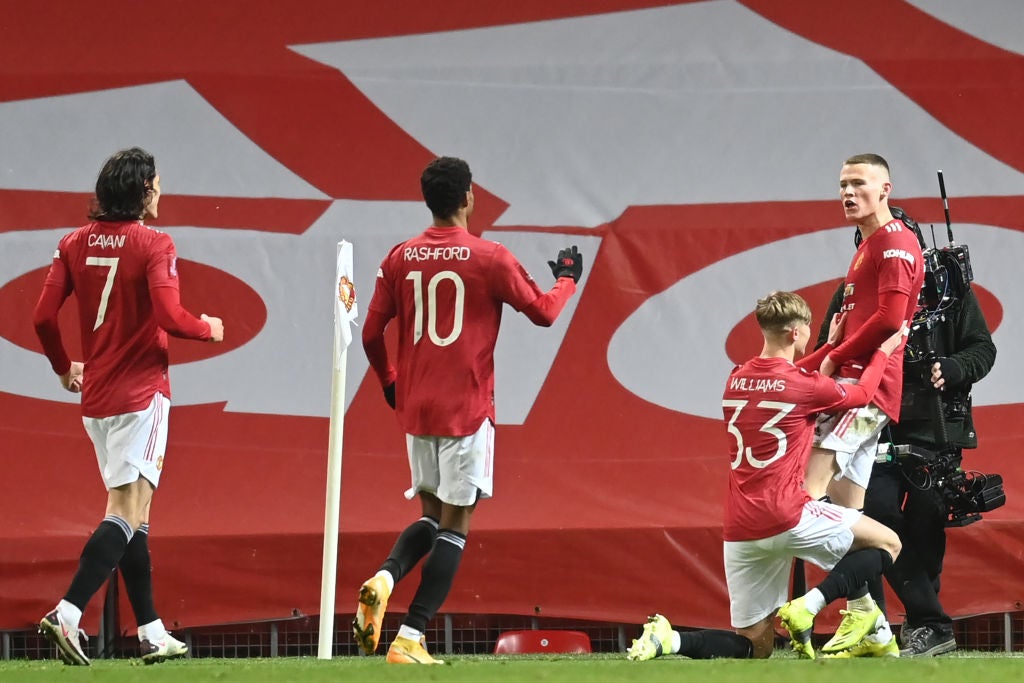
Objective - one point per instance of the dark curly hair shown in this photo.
(445, 182)
(123, 186)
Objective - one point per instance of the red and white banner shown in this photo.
(691, 150)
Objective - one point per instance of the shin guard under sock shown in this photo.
(99, 557)
(438, 574)
(137, 570)
(853, 571)
(412, 546)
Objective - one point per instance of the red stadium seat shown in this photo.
(539, 641)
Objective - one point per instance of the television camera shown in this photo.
(948, 277)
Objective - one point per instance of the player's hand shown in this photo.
(946, 372)
(828, 367)
(72, 379)
(836, 328)
(895, 341)
(389, 395)
(216, 327)
(568, 263)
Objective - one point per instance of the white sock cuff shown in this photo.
(388, 578)
(122, 524)
(410, 633)
(455, 539)
(814, 601)
(154, 630)
(70, 613)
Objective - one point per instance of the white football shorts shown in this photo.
(131, 445)
(757, 572)
(453, 468)
(853, 436)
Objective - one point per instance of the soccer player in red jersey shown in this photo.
(881, 295)
(125, 277)
(770, 405)
(444, 290)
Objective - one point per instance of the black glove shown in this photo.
(389, 395)
(569, 263)
(951, 372)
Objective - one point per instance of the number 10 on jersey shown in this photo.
(456, 304)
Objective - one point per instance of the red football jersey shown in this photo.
(111, 268)
(888, 261)
(446, 288)
(770, 407)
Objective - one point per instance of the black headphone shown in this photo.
(899, 213)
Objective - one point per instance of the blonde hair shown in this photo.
(778, 312)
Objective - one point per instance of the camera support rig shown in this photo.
(948, 277)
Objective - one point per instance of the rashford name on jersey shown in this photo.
(437, 253)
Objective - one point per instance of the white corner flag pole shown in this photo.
(345, 313)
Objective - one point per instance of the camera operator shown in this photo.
(959, 353)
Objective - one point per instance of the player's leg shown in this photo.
(883, 502)
(824, 535)
(761, 637)
(412, 544)
(141, 446)
(821, 469)
(116, 441)
(658, 638)
(854, 439)
(466, 466)
(757, 577)
(864, 630)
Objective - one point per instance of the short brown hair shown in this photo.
(871, 159)
(779, 311)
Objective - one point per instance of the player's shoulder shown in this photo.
(896, 231)
(75, 239)
(150, 232)
(150, 240)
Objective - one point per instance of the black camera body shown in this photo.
(947, 276)
(966, 494)
(947, 279)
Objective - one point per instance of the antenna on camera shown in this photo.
(945, 207)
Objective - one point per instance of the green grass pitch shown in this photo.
(597, 668)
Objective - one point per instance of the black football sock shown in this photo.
(412, 546)
(853, 571)
(438, 574)
(714, 644)
(99, 557)
(137, 570)
(862, 590)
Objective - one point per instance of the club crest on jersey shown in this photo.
(860, 259)
(346, 293)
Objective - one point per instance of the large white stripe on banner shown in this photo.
(571, 121)
(671, 351)
(999, 22)
(197, 150)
